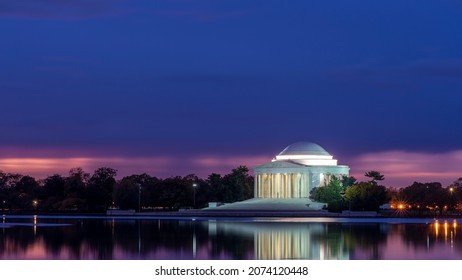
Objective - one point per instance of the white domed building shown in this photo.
(296, 170)
(283, 185)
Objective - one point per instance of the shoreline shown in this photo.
(235, 214)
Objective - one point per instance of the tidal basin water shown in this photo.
(84, 237)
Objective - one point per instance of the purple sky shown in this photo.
(173, 87)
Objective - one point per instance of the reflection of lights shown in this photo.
(35, 225)
(454, 226)
(445, 230)
(436, 228)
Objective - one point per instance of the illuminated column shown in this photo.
(263, 185)
(266, 186)
(272, 185)
(284, 184)
(255, 186)
(300, 185)
(299, 175)
(281, 185)
(273, 181)
(296, 186)
(276, 185)
(260, 185)
(289, 186)
(262, 192)
(307, 185)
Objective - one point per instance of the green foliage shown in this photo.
(348, 181)
(238, 185)
(365, 196)
(330, 194)
(81, 192)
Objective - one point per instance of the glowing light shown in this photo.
(445, 229)
(437, 225)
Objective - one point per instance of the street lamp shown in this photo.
(139, 198)
(3, 206)
(194, 185)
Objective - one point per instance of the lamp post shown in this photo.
(3, 206)
(194, 185)
(139, 198)
(35, 203)
(451, 190)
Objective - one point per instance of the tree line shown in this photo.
(80, 191)
(346, 193)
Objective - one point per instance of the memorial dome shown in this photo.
(304, 149)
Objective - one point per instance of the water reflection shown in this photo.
(38, 237)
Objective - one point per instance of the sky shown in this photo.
(174, 87)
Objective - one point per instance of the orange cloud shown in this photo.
(42, 167)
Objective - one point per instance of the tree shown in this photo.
(100, 187)
(53, 192)
(425, 194)
(239, 184)
(23, 193)
(375, 176)
(366, 196)
(126, 193)
(74, 189)
(348, 181)
(330, 194)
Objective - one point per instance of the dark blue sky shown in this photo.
(172, 87)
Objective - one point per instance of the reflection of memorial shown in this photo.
(285, 240)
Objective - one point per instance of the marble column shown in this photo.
(273, 181)
(255, 186)
(289, 185)
(261, 184)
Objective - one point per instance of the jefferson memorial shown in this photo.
(295, 171)
(284, 184)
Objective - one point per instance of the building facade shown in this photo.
(295, 171)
